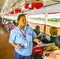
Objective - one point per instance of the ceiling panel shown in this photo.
(19, 3)
(56, 0)
(49, 2)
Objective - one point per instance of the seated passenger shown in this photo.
(43, 37)
(53, 32)
(38, 55)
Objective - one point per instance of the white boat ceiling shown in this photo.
(48, 6)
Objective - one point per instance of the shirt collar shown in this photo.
(24, 28)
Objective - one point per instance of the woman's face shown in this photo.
(22, 21)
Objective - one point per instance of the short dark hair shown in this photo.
(38, 27)
(20, 16)
(53, 31)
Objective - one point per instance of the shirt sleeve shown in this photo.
(32, 31)
(12, 37)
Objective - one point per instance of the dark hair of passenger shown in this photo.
(38, 27)
(20, 16)
(53, 31)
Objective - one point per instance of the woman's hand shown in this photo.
(17, 47)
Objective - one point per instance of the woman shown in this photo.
(21, 38)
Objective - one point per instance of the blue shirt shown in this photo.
(17, 37)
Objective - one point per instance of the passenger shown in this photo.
(53, 32)
(21, 38)
(14, 22)
(8, 25)
(43, 37)
(13, 25)
(38, 55)
(53, 38)
(37, 30)
(1, 23)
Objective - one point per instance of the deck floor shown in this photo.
(6, 50)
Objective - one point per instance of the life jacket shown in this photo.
(37, 50)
